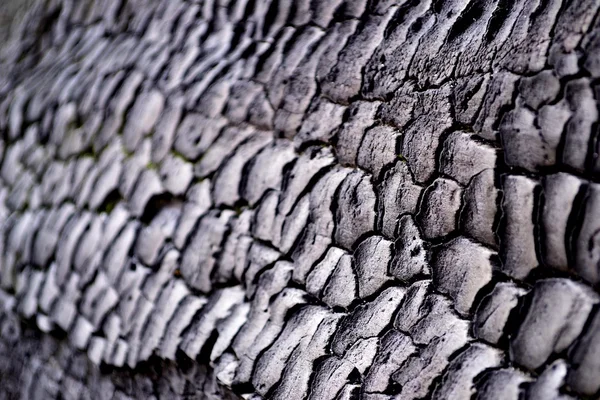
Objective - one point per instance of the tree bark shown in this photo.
(303, 199)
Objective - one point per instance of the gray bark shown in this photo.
(302, 199)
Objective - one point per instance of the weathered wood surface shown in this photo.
(293, 199)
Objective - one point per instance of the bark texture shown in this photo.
(301, 199)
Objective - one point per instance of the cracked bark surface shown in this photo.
(374, 199)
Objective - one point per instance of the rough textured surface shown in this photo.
(374, 199)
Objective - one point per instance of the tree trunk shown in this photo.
(296, 199)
